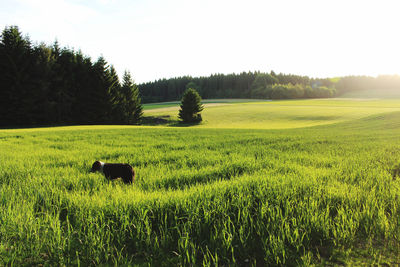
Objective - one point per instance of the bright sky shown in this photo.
(161, 39)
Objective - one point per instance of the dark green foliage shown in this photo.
(263, 80)
(16, 83)
(102, 83)
(131, 102)
(193, 85)
(42, 84)
(190, 107)
(243, 85)
(116, 97)
(259, 85)
(287, 91)
(320, 92)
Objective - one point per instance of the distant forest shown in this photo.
(260, 85)
(243, 85)
(51, 85)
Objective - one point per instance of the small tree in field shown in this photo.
(190, 107)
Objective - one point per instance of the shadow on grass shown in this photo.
(157, 120)
(31, 126)
(181, 124)
(165, 120)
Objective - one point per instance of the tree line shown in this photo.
(261, 85)
(47, 84)
(42, 84)
(243, 85)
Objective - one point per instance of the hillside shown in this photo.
(209, 195)
(267, 114)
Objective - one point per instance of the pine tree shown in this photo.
(102, 105)
(16, 63)
(191, 107)
(116, 97)
(132, 106)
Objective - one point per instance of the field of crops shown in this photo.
(253, 184)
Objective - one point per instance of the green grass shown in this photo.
(321, 195)
(281, 114)
(160, 105)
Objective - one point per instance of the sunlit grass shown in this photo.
(204, 101)
(207, 196)
(283, 114)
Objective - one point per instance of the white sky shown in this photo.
(161, 39)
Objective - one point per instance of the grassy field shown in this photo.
(278, 114)
(204, 101)
(266, 190)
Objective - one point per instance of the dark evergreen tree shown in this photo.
(15, 66)
(64, 92)
(192, 85)
(101, 104)
(42, 84)
(190, 107)
(42, 108)
(116, 97)
(132, 107)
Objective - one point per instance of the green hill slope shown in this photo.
(281, 114)
(321, 195)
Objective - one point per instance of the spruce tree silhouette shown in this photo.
(190, 107)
